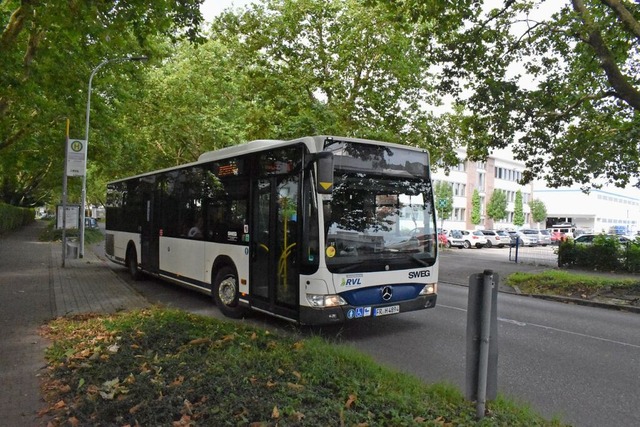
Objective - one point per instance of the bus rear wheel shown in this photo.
(226, 293)
(132, 263)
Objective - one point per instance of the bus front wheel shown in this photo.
(226, 294)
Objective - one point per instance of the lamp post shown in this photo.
(86, 141)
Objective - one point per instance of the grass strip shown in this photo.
(557, 282)
(168, 367)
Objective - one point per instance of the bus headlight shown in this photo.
(429, 289)
(322, 301)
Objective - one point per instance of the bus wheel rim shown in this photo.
(227, 291)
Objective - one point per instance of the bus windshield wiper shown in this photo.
(349, 267)
(421, 262)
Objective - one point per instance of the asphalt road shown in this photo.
(581, 364)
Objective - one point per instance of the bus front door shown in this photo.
(274, 280)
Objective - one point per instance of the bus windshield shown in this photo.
(380, 216)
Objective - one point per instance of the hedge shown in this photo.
(604, 254)
(12, 217)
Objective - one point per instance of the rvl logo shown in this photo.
(355, 281)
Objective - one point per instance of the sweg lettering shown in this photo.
(351, 281)
(418, 274)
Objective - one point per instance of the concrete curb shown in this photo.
(566, 300)
(579, 301)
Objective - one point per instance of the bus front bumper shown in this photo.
(332, 315)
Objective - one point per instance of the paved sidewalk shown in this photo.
(34, 288)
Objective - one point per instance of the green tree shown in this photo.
(538, 82)
(48, 51)
(497, 206)
(196, 101)
(331, 66)
(444, 200)
(476, 216)
(538, 210)
(518, 211)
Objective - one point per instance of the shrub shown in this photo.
(604, 254)
(52, 234)
(12, 217)
(632, 255)
(567, 254)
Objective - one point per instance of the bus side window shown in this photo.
(227, 212)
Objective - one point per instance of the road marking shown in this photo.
(453, 308)
(513, 322)
(551, 328)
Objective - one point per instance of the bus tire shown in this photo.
(226, 294)
(132, 263)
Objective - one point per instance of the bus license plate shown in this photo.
(383, 311)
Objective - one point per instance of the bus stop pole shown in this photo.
(64, 199)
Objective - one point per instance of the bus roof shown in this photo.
(315, 144)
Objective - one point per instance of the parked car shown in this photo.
(521, 239)
(454, 238)
(585, 239)
(540, 238)
(495, 239)
(504, 234)
(567, 230)
(544, 237)
(90, 222)
(588, 238)
(473, 238)
(557, 237)
(442, 238)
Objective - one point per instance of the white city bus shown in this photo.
(315, 230)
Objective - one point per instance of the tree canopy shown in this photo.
(476, 216)
(518, 211)
(497, 206)
(556, 81)
(561, 89)
(48, 50)
(538, 210)
(444, 200)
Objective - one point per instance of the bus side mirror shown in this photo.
(325, 172)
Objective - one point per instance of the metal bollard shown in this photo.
(482, 340)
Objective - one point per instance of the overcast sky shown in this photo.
(212, 8)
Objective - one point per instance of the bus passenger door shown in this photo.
(150, 242)
(274, 280)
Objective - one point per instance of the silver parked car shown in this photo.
(541, 239)
(588, 238)
(544, 237)
(521, 239)
(495, 239)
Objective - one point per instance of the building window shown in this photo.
(460, 168)
(480, 185)
(458, 214)
(459, 189)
